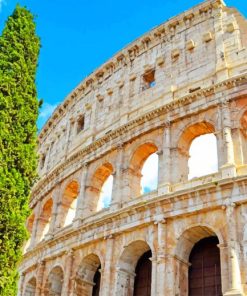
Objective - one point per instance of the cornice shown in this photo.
(77, 158)
(105, 223)
(124, 57)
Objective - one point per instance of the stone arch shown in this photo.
(54, 281)
(185, 244)
(95, 185)
(45, 219)
(184, 141)
(88, 276)
(68, 203)
(30, 287)
(127, 264)
(136, 163)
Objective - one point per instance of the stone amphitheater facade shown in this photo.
(183, 79)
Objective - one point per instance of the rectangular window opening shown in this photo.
(149, 79)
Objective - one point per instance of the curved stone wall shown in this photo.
(183, 79)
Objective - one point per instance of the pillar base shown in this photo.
(233, 292)
(228, 171)
(164, 188)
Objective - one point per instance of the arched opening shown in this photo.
(105, 194)
(54, 283)
(69, 203)
(198, 264)
(144, 160)
(45, 219)
(99, 191)
(143, 271)
(135, 270)
(29, 225)
(204, 271)
(203, 156)
(88, 277)
(202, 136)
(30, 287)
(149, 179)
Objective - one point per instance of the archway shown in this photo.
(141, 155)
(204, 270)
(69, 203)
(30, 287)
(54, 283)
(196, 254)
(143, 271)
(203, 156)
(134, 266)
(191, 133)
(45, 219)
(95, 199)
(88, 277)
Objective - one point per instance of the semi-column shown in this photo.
(81, 197)
(40, 278)
(106, 282)
(68, 272)
(235, 288)
(161, 259)
(164, 174)
(228, 168)
(117, 180)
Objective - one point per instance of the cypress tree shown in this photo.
(19, 50)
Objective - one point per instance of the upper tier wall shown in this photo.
(167, 63)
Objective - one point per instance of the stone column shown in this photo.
(68, 272)
(224, 267)
(40, 278)
(221, 64)
(54, 223)
(228, 169)
(33, 238)
(125, 282)
(21, 285)
(117, 180)
(81, 197)
(106, 288)
(161, 262)
(164, 175)
(154, 276)
(233, 252)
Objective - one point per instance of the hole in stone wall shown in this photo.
(149, 79)
(80, 124)
(149, 180)
(203, 156)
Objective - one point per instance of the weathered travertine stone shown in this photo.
(183, 79)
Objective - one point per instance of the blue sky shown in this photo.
(78, 36)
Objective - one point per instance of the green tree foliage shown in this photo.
(19, 50)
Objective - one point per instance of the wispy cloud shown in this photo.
(45, 112)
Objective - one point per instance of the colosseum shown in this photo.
(182, 81)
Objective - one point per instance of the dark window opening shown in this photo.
(80, 124)
(143, 271)
(96, 280)
(149, 80)
(42, 161)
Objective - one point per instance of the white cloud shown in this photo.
(47, 110)
(45, 113)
